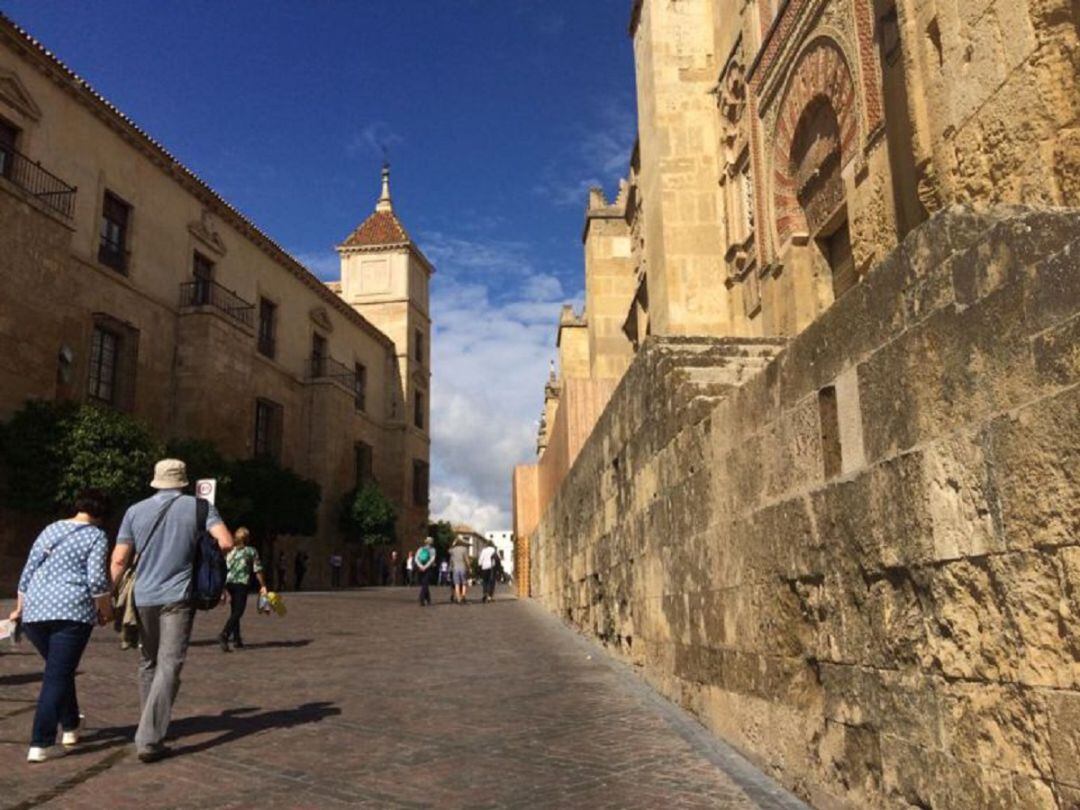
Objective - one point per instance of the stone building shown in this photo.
(127, 281)
(809, 459)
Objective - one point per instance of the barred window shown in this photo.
(268, 428)
(360, 386)
(115, 218)
(104, 357)
(420, 482)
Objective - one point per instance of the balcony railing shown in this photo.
(211, 294)
(327, 368)
(31, 177)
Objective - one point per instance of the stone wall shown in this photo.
(861, 566)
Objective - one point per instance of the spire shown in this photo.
(384, 203)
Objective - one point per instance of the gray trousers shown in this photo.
(164, 632)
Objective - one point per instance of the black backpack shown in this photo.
(208, 572)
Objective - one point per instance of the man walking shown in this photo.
(459, 567)
(425, 567)
(488, 555)
(162, 531)
(335, 570)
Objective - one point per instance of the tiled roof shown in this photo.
(380, 229)
(187, 178)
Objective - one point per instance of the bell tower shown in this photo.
(385, 277)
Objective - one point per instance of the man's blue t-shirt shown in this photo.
(164, 573)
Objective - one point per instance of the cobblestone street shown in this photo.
(363, 699)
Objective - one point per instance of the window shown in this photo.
(8, 136)
(418, 414)
(268, 422)
(114, 347)
(203, 271)
(837, 250)
(104, 358)
(318, 355)
(360, 386)
(267, 327)
(364, 461)
(830, 431)
(419, 344)
(420, 482)
(115, 218)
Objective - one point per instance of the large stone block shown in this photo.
(1035, 454)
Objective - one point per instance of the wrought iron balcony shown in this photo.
(327, 368)
(201, 293)
(38, 182)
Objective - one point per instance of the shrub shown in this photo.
(52, 450)
(368, 516)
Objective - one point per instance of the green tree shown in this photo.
(368, 515)
(258, 493)
(443, 535)
(52, 450)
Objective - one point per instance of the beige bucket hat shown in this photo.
(170, 473)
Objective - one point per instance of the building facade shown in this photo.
(129, 282)
(809, 458)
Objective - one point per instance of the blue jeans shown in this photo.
(61, 644)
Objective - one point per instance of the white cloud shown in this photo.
(491, 355)
(597, 157)
(376, 139)
(464, 508)
(325, 264)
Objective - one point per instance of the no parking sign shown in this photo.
(206, 488)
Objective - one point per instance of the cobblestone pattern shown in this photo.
(362, 699)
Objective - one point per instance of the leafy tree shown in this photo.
(52, 450)
(368, 515)
(272, 500)
(443, 535)
(257, 493)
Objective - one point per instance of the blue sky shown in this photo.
(497, 116)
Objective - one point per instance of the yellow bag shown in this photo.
(277, 604)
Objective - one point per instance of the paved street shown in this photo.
(363, 699)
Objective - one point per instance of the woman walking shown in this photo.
(243, 563)
(64, 591)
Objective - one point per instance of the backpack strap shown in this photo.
(202, 513)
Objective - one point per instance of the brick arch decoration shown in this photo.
(822, 72)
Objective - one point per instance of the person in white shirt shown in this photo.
(488, 569)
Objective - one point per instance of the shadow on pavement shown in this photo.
(233, 724)
(21, 679)
(265, 645)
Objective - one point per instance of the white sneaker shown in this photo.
(43, 754)
(70, 738)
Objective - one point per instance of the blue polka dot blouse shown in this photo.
(66, 569)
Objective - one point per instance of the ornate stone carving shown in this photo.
(815, 138)
(203, 229)
(321, 318)
(14, 94)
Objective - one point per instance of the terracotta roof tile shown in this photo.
(381, 228)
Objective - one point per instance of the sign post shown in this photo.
(206, 488)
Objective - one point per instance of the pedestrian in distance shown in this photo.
(488, 555)
(335, 570)
(395, 568)
(280, 581)
(63, 592)
(459, 568)
(162, 532)
(425, 568)
(300, 562)
(243, 565)
(444, 573)
(409, 563)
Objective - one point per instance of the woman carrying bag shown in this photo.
(243, 563)
(64, 591)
